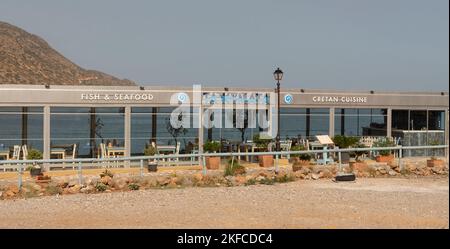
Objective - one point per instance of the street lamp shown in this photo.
(278, 75)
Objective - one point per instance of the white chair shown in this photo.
(24, 152)
(16, 153)
(74, 155)
(177, 152)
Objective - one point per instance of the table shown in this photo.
(325, 159)
(4, 153)
(114, 151)
(166, 148)
(59, 152)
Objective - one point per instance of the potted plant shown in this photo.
(35, 169)
(263, 145)
(300, 160)
(152, 165)
(385, 156)
(344, 142)
(212, 162)
(434, 161)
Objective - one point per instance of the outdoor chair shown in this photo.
(24, 152)
(286, 146)
(16, 153)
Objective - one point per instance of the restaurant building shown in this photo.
(45, 117)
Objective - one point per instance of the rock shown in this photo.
(241, 180)
(260, 178)
(72, 183)
(326, 173)
(87, 189)
(162, 181)
(119, 183)
(411, 167)
(187, 182)
(74, 189)
(36, 187)
(13, 188)
(9, 193)
(315, 176)
(392, 172)
(198, 177)
(437, 170)
(106, 180)
(172, 185)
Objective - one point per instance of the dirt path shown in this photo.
(367, 203)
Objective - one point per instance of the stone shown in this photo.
(36, 187)
(241, 180)
(392, 172)
(9, 193)
(106, 180)
(315, 176)
(87, 189)
(74, 189)
(162, 181)
(13, 188)
(72, 183)
(326, 173)
(437, 170)
(198, 177)
(119, 183)
(260, 178)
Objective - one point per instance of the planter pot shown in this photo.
(435, 163)
(212, 162)
(152, 166)
(35, 172)
(265, 160)
(385, 159)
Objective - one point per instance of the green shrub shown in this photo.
(133, 186)
(285, 178)
(251, 181)
(261, 142)
(345, 142)
(233, 168)
(301, 156)
(107, 172)
(384, 142)
(150, 151)
(212, 146)
(100, 187)
(358, 154)
(34, 155)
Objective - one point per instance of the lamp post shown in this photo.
(278, 75)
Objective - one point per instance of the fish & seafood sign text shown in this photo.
(117, 96)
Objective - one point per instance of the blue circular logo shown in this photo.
(182, 97)
(288, 99)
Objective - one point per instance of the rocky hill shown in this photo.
(28, 59)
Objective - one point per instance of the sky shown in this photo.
(347, 44)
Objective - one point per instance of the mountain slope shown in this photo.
(28, 59)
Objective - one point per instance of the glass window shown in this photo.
(418, 120)
(153, 124)
(86, 127)
(21, 126)
(436, 120)
(360, 122)
(304, 122)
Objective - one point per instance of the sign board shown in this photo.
(324, 139)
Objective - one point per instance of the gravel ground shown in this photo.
(367, 203)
